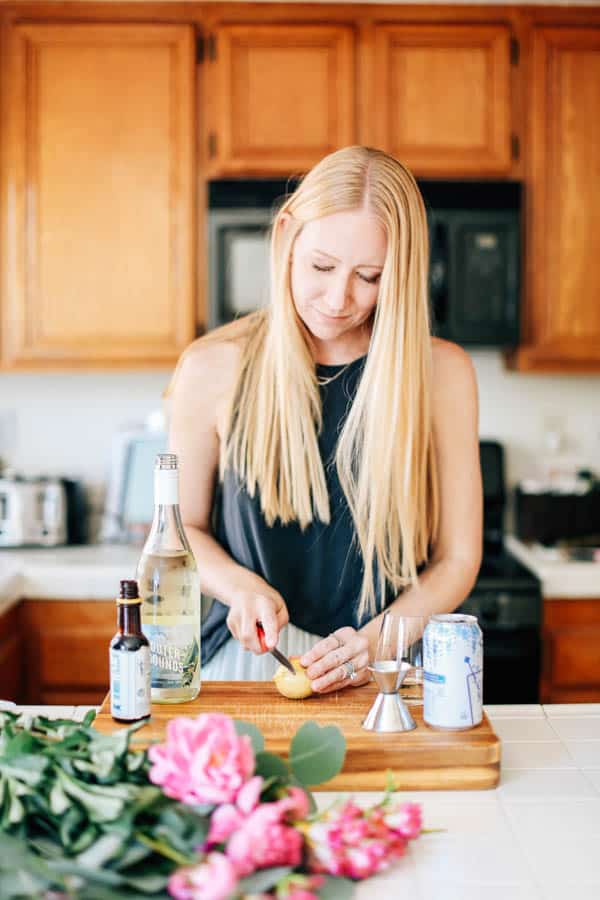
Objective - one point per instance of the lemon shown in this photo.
(295, 687)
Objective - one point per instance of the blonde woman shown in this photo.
(328, 444)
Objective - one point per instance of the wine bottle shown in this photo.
(170, 590)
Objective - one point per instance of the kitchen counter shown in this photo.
(90, 572)
(535, 837)
(93, 572)
(559, 577)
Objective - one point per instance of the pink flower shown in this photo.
(228, 817)
(203, 760)
(264, 840)
(406, 819)
(214, 879)
(357, 843)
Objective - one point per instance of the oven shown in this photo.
(506, 599)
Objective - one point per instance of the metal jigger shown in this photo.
(389, 712)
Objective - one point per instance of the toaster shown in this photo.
(33, 512)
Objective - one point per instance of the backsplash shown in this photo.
(62, 423)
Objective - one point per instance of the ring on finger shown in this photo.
(351, 672)
(339, 643)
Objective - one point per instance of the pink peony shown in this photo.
(214, 879)
(229, 817)
(265, 840)
(355, 843)
(406, 819)
(203, 760)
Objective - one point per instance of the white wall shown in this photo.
(62, 423)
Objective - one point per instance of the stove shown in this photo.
(506, 599)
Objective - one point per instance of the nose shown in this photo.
(338, 294)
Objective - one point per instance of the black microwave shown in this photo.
(474, 272)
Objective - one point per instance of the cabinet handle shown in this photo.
(212, 145)
(515, 146)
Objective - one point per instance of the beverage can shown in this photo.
(453, 676)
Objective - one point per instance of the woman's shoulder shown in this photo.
(453, 376)
(450, 361)
(213, 360)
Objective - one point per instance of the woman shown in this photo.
(328, 444)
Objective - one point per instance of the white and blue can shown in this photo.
(453, 676)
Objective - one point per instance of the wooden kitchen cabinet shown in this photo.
(279, 96)
(441, 97)
(65, 646)
(11, 656)
(562, 315)
(571, 651)
(98, 186)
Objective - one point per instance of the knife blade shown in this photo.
(279, 656)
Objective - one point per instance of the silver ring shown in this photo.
(351, 672)
(339, 643)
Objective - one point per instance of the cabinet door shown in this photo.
(281, 96)
(563, 272)
(571, 658)
(98, 188)
(66, 650)
(11, 657)
(441, 101)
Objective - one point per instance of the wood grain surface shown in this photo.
(423, 759)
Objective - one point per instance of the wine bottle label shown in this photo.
(130, 683)
(174, 654)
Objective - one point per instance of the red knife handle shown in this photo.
(261, 637)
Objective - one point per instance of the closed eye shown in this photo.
(372, 280)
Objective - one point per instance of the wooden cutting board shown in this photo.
(422, 759)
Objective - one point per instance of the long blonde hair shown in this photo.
(385, 455)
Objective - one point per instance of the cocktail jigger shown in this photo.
(389, 712)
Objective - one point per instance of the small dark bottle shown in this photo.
(129, 659)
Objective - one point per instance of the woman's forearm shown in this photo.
(443, 586)
(221, 576)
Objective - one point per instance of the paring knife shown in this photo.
(274, 652)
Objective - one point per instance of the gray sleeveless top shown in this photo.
(318, 571)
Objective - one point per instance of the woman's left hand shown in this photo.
(332, 661)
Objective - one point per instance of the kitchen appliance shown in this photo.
(129, 505)
(41, 512)
(474, 236)
(506, 599)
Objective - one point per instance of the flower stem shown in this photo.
(164, 849)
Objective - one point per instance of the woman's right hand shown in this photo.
(249, 607)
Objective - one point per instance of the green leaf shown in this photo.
(106, 847)
(29, 769)
(254, 733)
(59, 802)
(269, 765)
(262, 880)
(89, 718)
(103, 803)
(85, 838)
(336, 888)
(317, 754)
(17, 883)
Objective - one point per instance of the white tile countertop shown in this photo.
(559, 577)
(90, 572)
(535, 837)
(93, 572)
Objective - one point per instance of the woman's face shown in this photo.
(336, 269)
